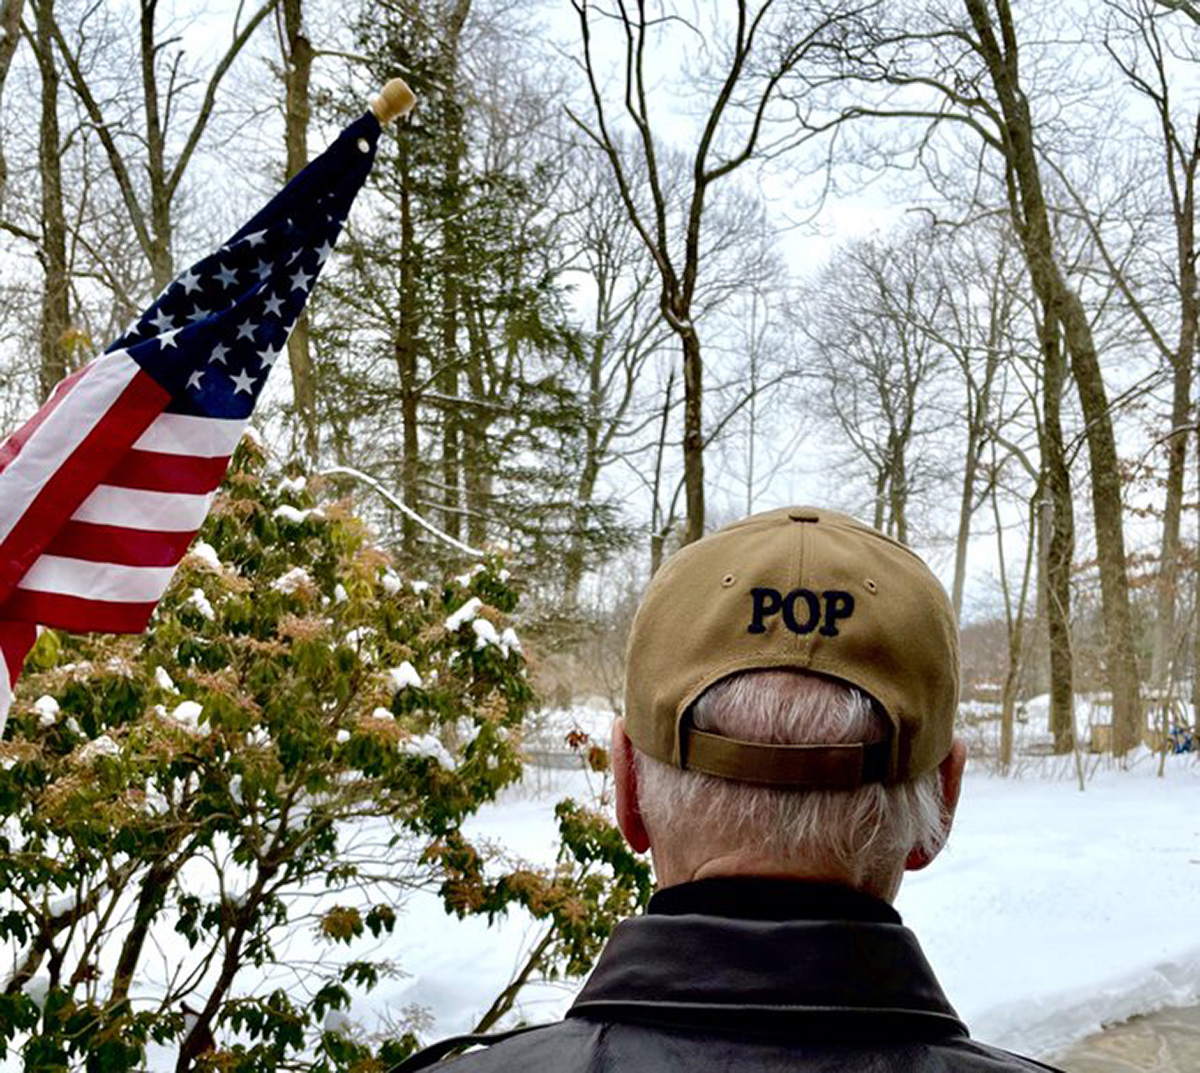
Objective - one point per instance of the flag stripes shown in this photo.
(103, 489)
(79, 614)
(81, 448)
(183, 434)
(101, 581)
(118, 544)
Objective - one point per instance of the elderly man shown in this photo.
(787, 753)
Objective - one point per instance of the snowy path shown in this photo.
(1163, 1042)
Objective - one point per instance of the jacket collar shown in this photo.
(838, 957)
(763, 898)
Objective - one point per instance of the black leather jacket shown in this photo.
(749, 974)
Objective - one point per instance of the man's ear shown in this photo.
(629, 818)
(950, 772)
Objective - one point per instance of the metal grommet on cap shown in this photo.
(870, 585)
(728, 581)
(800, 515)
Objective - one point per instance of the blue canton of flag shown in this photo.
(213, 335)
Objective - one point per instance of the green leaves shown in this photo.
(300, 735)
(214, 773)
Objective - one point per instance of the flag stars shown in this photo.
(324, 250)
(198, 315)
(301, 281)
(227, 276)
(262, 270)
(274, 306)
(267, 358)
(195, 378)
(255, 238)
(162, 320)
(246, 330)
(243, 381)
(189, 281)
(167, 339)
(220, 351)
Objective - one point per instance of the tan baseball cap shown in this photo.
(806, 589)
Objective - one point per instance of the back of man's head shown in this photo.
(790, 696)
(861, 836)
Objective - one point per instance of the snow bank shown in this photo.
(1052, 912)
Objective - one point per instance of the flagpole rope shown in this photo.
(404, 508)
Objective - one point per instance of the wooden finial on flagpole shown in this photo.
(395, 99)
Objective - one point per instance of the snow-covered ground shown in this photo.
(1051, 911)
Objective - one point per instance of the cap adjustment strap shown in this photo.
(794, 767)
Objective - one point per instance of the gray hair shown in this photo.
(865, 831)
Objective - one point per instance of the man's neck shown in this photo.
(884, 884)
(771, 898)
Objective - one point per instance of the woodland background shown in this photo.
(634, 269)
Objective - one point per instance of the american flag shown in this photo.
(102, 491)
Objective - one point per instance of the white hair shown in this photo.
(865, 831)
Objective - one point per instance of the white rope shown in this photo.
(404, 508)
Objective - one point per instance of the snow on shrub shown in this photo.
(203, 790)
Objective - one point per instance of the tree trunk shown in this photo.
(453, 261)
(660, 520)
(585, 487)
(693, 434)
(56, 297)
(898, 494)
(159, 250)
(1108, 513)
(1014, 618)
(1168, 572)
(297, 69)
(1196, 608)
(406, 347)
(1181, 409)
(1059, 518)
(477, 469)
(10, 35)
(879, 520)
(1032, 222)
(966, 502)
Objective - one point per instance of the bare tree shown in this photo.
(976, 321)
(625, 333)
(1138, 45)
(964, 71)
(746, 59)
(148, 151)
(877, 366)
